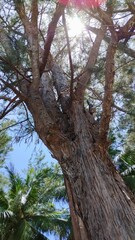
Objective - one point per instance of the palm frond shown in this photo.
(3, 201)
(6, 215)
(16, 183)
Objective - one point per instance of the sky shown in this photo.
(24, 152)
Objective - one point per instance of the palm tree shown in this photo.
(127, 168)
(27, 209)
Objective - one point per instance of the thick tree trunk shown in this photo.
(99, 195)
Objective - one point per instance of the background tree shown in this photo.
(35, 75)
(27, 209)
(5, 142)
(5, 148)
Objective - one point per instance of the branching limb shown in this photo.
(127, 30)
(121, 46)
(85, 78)
(31, 29)
(108, 94)
(50, 35)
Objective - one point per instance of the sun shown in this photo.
(75, 26)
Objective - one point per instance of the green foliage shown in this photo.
(27, 209)
(126, 164)
(5, 142)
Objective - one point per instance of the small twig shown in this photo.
(13, 125)
(18, 93)
(9, 110)
(124, 64)
(5, 98)
(14, 68)
(10, 102)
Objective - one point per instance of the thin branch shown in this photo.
(5, 98)
(50, 35)
(107, 20)
(60, 51)
(11, 101)
(124, 64)
(18, 93)
(31, 29)
(122, 10)
(19, 5)
(121, 46)
(4, 113)
(127, 30)
(27, 114)
(13, 125)
(70, 57)
(98, 96)
(14, 68)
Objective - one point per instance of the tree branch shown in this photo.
(6, 110)
(98, 96)
(85, 78)
(127, 30)
(13, 125)
(50, 35)
(31, 29)
(70, 57)
(108, 94)
(121, 46)
(18, 93)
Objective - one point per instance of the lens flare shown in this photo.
(83, 3)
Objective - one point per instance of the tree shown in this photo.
(27, 210)
(5, 142)
(35, 48)
(5, 148)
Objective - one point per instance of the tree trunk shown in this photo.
(100, 197)
(79, 230)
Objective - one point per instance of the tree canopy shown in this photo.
(27, 205)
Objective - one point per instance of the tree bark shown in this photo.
(79, 230)
(100, 196)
